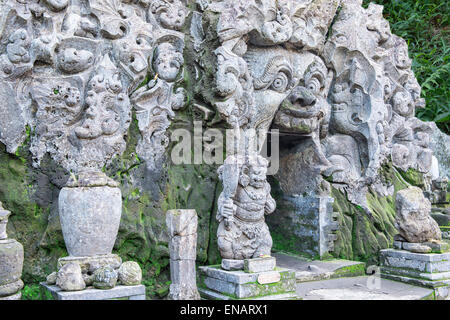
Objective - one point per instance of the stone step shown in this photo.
(362, 288)
(306, 270)
(207, 294)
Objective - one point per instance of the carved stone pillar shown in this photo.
(182, 227)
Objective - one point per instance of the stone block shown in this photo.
(90, 264)
(183, 247)
(260, 264)
(182, 271)
(232, 264)
(118, 292)
(242, 285)
(429, 270)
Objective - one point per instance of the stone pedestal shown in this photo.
(90, 264)
(116, 293)
(428, 270)
(260, 279)
(11, 262)
(219, 284)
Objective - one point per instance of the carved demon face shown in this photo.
(296, 81)
(253, 172)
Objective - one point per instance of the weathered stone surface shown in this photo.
(232, 264)
(90, 264)
(239, 284)
(69, 278)
(105, 278)
(130, 273)
(413, 218)
(88, 279)
(56, 60)
(416, 247)
(260, 264)
(4, 215)
(51, 278)
(307, 222)
(11, 288)
(16, 296)
(269, 277)
(440, 144)
(118, 292)
(429, 270)
(182, 227)
(90, 219)
(11, 261)
(245, 200)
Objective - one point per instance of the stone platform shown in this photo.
(307, 270)
(427, 270)
(118, 292)
(216, 283)
(361, 288)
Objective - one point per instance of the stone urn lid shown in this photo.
(90, 179)
(4, 215)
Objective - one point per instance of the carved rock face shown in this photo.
(69, 69)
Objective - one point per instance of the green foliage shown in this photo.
(424, 25)
(35, 292)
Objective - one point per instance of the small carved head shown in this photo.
(253, 172)
(167, 62)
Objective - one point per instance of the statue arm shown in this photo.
(225, 208)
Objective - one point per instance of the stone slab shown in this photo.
(306, 270)
(232, 264)
(260, 264)
(236, 277)
(212, 295)
(361, 288)
(118, 292)
(239, 284)
(92, 263)
(433, 284)
(425, 263)
(16, 296)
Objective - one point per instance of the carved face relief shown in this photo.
(168, 62)
(170, 13)
(402, 103)
(72, 60)
(306, 106)
(17, 48)
(273, 79)
(104, 101)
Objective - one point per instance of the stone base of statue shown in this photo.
(260, 279)
(90, 264)
(117, 293)
(427, 270)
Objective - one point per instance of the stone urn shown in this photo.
(90, 207)
(11, 262)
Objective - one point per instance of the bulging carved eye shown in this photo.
(314, 85)
(280, 82)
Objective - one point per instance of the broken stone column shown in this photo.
(11, 262)
(182, 228)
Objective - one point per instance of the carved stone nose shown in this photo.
(302, 96)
